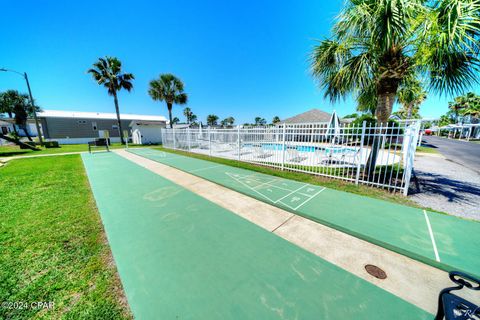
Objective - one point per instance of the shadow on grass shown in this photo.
(13, 153)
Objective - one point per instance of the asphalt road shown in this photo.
(461, 152)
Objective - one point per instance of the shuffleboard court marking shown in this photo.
(437, 257)
(311, 197)
(238, 178)
(206, 168)
(266, 183)
(249, 187)
(259, 180)
(291, 193)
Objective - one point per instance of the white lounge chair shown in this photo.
(260, 153)
(339, 156)
(294, 156)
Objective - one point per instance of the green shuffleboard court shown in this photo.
(446, 242)
(181, 256)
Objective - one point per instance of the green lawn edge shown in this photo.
(53, 246)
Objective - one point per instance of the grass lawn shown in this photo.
(427, 150)
(308, 178)
(52, 243)
(10, 151)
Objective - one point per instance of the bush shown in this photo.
(394, 128)
(51, 144)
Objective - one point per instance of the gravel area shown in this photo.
(446, 186)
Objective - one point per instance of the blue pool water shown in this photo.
(278, 146)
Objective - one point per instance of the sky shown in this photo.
(243, 59)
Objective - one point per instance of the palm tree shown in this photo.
(378, 44)
(193, 118)
(168, 88)
(411, 95)
(228, 121)
(187, 112)
(212, 120)
(175, 120)
(17, 106)
(276, 120)
(259, 121)
(467, 105)
(472, 111)
(22, 110)
(108, 72)
(7, 103)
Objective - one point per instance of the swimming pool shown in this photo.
(328, 150)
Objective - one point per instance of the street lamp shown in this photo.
(24, 75)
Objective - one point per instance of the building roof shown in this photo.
(181, 125)
(311, 116)
(97, 115)
(145, 123)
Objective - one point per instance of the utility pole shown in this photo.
(40, 139)
(24, 75)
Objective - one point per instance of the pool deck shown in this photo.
(309, 158)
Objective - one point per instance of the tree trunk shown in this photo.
(117, 110)
(409, 110)
(17, 142)
(24, 128)
(169, 107)
(382, 112)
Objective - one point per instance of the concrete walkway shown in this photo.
(409, 279)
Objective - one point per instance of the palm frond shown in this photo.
(108, 72)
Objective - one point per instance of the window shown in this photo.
(94, 126)
(114, 127)
(82, 121)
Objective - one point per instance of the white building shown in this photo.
(147, 132)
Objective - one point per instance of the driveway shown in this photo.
(449, 181)
(461, 152)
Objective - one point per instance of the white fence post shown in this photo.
(420, 138)
(283, 146)
(359, 165)
(410, 156)
(188, 139)
(174, 142)
(239, 142)
(209, 142)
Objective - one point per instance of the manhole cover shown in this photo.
(375, 271)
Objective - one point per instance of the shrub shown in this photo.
(394, 128)
(51, 144)
(30, 143)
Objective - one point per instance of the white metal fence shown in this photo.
(380, 156)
